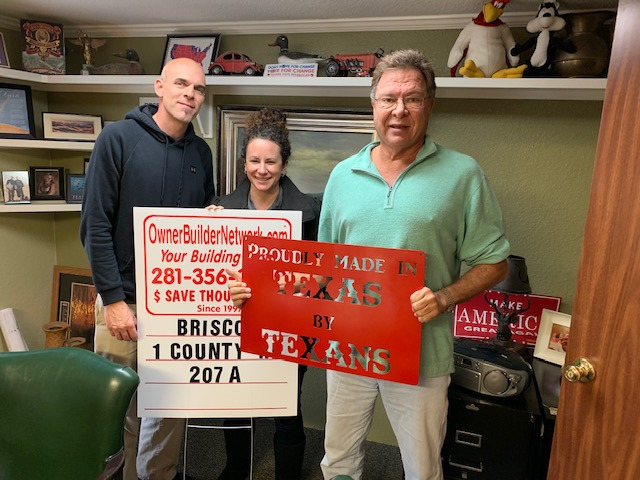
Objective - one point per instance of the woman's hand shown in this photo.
(213, 208)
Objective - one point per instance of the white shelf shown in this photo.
(41, 206)
(448, 87)
(47, 144)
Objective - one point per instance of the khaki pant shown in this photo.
(151, 445)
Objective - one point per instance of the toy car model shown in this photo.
(360, 64)
(235, 62)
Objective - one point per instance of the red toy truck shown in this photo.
(360, 64)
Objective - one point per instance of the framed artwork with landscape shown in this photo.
(69, 126)
(73, 301)
(16, 112)
(319, 138)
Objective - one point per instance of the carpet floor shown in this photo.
(203, 458)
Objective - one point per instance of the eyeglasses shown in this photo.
(410, 103)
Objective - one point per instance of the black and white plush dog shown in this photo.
(546, 23)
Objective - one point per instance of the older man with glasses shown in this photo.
(412, 194)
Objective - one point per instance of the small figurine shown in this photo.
(488, 42)
(235, 62)
(285, 56)
(87, 43)
(546, 23)
(133, 67)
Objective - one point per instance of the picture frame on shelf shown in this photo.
(73, 301)
(15, 187)
(42, 47)
(71, 126)
(553, 336)
(47, 183)
(16, 115)
(4, 58)
(320, 138)
(86, 164)
(201, 48)
(75, 187)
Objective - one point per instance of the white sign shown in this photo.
(189, 358)
(291, 70)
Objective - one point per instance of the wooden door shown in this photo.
(598, 426)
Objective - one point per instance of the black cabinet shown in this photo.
(490, 438)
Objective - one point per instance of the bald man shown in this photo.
(151, 158)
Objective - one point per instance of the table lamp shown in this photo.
(516, 282)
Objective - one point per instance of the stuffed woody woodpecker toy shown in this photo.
(486, 42)
(546, 23)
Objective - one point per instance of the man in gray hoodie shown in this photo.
(151, 158)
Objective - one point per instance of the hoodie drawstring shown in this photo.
(164, 170)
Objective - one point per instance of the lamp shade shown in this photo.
(517, 279)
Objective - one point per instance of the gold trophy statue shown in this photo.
(88, 44)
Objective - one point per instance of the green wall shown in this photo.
(538, 156)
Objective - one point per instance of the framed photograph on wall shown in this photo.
(47, 183)
(319, 140)
(4, 58)
(16, 114)
(15, 187)
(75, 188)
(73, 300)
(553, 337)
(201, 48)
(70, 126)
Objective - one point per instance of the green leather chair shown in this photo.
(62, 414)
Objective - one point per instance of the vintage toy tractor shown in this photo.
(360, 64)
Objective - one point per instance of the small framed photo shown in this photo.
(4, 58)
(75, 188)
(16, 114)
(86, 165)
(47, 183)
(553, 336)
(69, 126)
(16, 187)
(201, 48)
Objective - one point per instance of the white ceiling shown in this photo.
(160, 17)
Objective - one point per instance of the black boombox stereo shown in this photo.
(489, 369)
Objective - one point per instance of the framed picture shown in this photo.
(15, 186)
(69, 126)
(319, 140)
(75, 188)
(553, 336)
(47, 183)
(42, 47)
(201, 48)
(73, 301)
(4, 58)
(86, 165)
(16, 114)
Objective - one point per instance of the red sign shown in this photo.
(340, 307)
(476, 318)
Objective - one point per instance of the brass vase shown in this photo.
(587, 32)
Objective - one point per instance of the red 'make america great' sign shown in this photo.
(339, 307)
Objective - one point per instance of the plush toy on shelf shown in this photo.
(487, 42)
(546, 23)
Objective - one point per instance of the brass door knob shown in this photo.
(579, 371)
